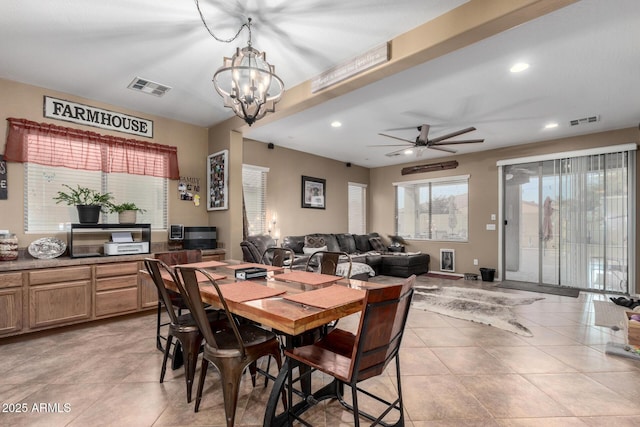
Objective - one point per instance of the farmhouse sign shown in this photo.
(92, 116)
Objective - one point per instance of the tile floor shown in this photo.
(454, 373)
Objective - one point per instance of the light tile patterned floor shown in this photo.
(454, 373)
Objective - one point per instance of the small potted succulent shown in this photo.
(88, 201)
(127, 212)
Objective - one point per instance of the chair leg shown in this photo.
(165, 357)
(356, 412)
(230, 375)
(158, 343)
(203, 374)
(190, 348)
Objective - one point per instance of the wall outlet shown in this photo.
(475, 262)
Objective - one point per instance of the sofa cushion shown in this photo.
(254, 247)
(314, 242)
(347, 242)
(311, 250)
(377, 244)
(295, 243)
(362, 242)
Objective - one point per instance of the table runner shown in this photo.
(331, 296)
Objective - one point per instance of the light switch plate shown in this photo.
(491, 227)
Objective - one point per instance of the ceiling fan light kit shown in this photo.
(247, 83)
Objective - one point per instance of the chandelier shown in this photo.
(246, 81)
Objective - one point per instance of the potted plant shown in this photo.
(127, 212)
(89, 202)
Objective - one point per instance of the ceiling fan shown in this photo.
(423, 141)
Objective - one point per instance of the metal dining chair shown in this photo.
(182, 327)
(328, 262)
(231, 349)
(172, 258)
(352, 358)
(278, 257)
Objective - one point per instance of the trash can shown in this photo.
(487, 274)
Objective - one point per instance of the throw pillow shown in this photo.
(310, 251)
(377, 244)
(314, 242)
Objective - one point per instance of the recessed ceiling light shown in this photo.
(336, 124)
(551, 125)
(520, 66)
(408, 151)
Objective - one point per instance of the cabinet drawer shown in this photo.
(59, 303)
(10, 280)
(116, 301)
(64, 274)
(117, 269)
(10, 311)
(116, 282)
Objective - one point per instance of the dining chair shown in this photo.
(172, 258)
(278, 257)
(231, 349)
(183, 327)
(328, 262)
(351, 358)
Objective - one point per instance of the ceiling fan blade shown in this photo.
(399, 139)
(452, 134)
(392, 145)
(466, 141)
(436, 147)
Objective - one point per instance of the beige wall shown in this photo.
(483, 195)
(284, 181)
(25, 101)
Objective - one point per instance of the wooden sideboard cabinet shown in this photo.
(59, 296)
(10, 303)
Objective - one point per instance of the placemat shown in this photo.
(201, 277)
(253, 264)
(204, 264)
(307, 277)
(331, 296)
(247, 291)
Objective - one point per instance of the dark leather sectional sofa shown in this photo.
(359, 247)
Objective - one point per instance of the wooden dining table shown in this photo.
(289, 302)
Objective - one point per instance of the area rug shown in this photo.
(543, 289)
(609, 315)
(475, 305)
(442, 276)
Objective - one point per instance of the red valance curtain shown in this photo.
(52, 145)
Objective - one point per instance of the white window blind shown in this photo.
(357, 208)
(254, 187)
(42, 214)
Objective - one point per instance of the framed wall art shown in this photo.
(217, 181)
(447, 260)
(314, 193)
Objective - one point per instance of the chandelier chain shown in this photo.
(229, 40)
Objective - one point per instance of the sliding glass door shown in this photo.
(567, 221)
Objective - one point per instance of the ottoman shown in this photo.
(404, 265)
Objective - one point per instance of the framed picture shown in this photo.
(313, 192)
(217, 181)
(447, 260)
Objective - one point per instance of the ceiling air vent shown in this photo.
(147, 86)
(585, 120)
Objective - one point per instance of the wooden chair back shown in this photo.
(278, 257)
(184, 256)
(380, 330)
(154, 267)
(328, 261)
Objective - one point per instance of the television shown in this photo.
(200, 238)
